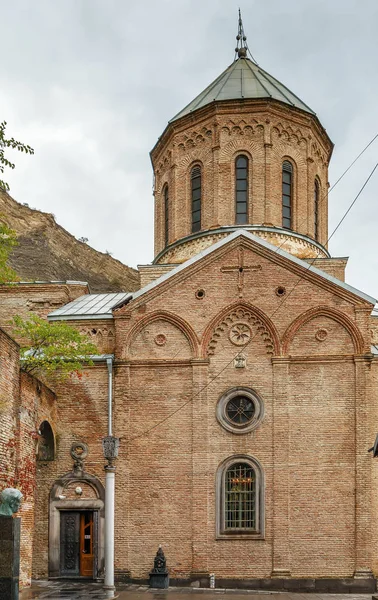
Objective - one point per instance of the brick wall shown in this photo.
(267, 133)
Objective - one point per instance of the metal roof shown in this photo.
(244, 79)
(89, 306)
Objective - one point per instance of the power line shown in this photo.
(354, 201)
(352, 163)
(147, 431)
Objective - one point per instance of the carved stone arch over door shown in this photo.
(72, 496)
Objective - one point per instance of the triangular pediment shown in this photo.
(249, 248)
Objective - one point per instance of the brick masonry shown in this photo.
(309, 360)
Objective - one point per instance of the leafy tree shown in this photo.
(9, 143)
(51, 348)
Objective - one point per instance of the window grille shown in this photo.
(287, 194)
(196, 198)
(241, 190)
(316, 209)
(240, 497)
(166, 215)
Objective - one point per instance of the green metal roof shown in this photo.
(244, 79)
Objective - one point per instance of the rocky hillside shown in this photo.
(46, 251)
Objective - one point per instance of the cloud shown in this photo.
(91, 85)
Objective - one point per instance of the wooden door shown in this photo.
(86, 544)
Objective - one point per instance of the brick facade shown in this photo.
(176, 345)
(268, 133)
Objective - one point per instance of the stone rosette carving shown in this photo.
(240, 334)
(160, 339)
(321, 334)
(241, 316)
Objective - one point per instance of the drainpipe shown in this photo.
(109, 362)
(110, 447)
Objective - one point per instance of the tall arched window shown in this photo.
(46, 442)
(196, 198)
(316, 209)
(166, 215)
(240, 498)
(287, 194)
(241, 190)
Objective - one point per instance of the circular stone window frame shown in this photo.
(227, 423)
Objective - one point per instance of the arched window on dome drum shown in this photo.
(196, 185)
(166, 215)
(316, 209)
(241, 190)
(287, 194)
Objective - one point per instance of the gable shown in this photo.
(261, 247)
(273, 291)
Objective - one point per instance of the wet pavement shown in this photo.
(68, 590)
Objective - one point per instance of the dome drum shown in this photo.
(268, 134)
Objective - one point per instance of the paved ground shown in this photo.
(68, 590)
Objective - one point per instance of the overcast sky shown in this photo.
(91, 84)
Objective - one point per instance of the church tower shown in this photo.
(245, 153)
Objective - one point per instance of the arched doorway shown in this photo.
(76, 531)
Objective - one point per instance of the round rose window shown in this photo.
(240, 410)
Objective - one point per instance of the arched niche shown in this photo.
(161, 336)
(322, 331)
(46, 443)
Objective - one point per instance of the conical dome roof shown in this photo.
(244, 79)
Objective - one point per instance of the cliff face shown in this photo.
(48, 252)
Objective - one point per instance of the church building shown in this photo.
(241, 376)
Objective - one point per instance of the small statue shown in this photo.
(160, 563)
(159, 576)
(10, 502)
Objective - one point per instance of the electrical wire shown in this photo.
(147, 431)
(351, 165)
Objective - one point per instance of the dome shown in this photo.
(244, 79)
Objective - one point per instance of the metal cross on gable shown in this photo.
(241, 269)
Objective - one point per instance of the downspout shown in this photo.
(109, 492)
(109, 362)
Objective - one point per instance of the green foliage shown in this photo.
(8, 240)
(9, 143)
(52, 348)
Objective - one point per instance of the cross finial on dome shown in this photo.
(241, 39)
